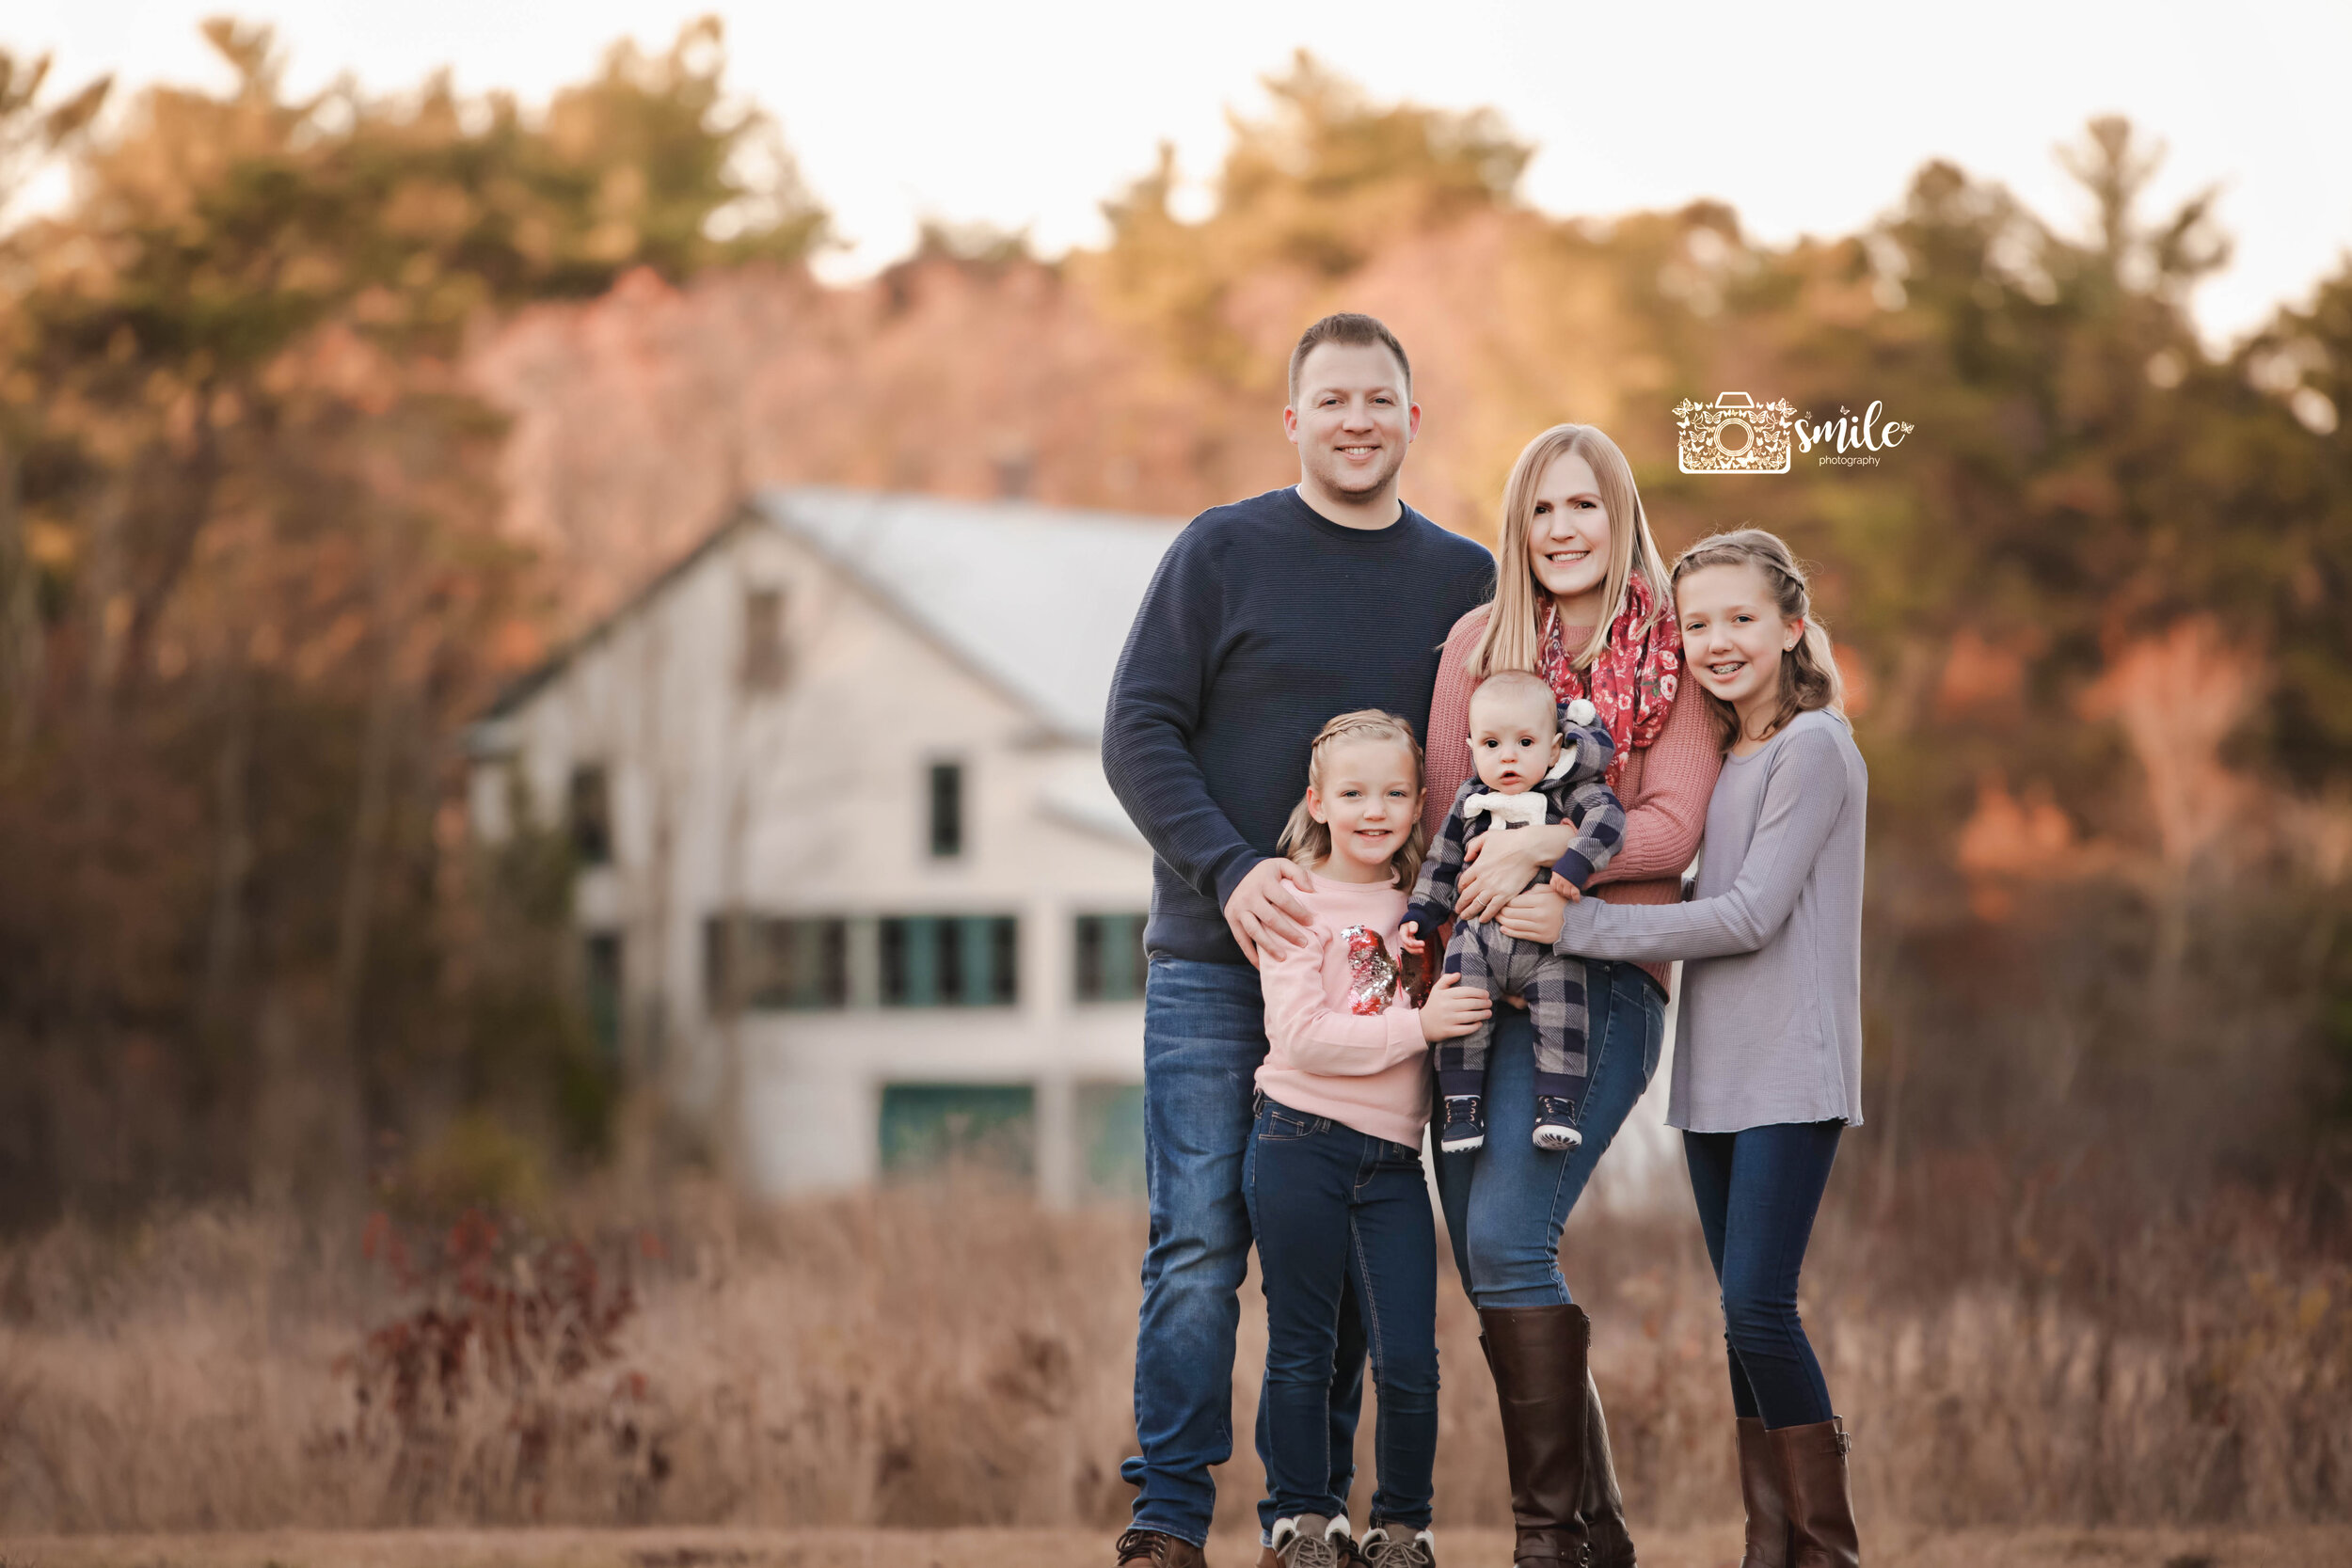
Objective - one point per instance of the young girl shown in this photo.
(1767, 1063)
(1333, 1175)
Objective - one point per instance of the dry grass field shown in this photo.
(708, 1383)
(1715, 1547)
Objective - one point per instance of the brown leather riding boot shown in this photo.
(1765, 1497)
(1820, 1502)
(1604, 1505)
(1538, 1354)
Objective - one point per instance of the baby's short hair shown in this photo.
(1514, 686)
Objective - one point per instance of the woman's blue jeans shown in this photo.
(1505, 1203)
(1758, 1191)
(1333, 1207)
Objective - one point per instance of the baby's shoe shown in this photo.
(1465, 1124)
(1555, 1124)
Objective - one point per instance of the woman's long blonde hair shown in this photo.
(1308, 842)
(1809, 671)
(1513, 638)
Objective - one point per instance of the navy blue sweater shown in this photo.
(1264, 619)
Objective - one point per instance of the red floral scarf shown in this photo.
(1633, 679)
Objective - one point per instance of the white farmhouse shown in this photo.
(852, 885)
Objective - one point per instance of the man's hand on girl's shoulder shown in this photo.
(1264, 912)
(1453, 1011)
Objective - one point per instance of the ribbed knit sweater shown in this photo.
(1264, 619)
(1368, 1072)
(1665, 787)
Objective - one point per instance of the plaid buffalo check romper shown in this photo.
(1552, 985)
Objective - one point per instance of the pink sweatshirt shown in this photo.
(1368, 1072)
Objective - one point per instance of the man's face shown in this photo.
(1514, 740)
(1352, 418)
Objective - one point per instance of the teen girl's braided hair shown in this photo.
(1307, 840)
(1809, 671)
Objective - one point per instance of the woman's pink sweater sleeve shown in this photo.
(1445, 750)
(1667, 816)
(1310, 1034)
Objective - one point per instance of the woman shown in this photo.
(1768, 1068)
(1582, 598)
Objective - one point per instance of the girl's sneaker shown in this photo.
(1465, 1125)
(1305, 1542)
(1384, 1549)
(1555, 1126)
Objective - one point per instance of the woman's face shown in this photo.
(1567, 538)
(1732, 636)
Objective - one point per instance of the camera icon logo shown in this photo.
(1734, 435)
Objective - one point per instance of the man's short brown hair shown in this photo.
(1356, 331)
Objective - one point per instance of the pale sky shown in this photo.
(1807, 119)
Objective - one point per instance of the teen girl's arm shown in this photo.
(1802, 798)
(1316, 1036)
(1156, 694)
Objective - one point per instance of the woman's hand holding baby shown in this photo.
(1535, 916)
(1452, 1010)
(1497, 866)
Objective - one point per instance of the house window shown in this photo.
(588, 811)
(601, 966)
(1110, 965)
(763, 640)
(946, 814)
(795, 964)
(1110, 1141)
(972, 961)
(932, 1129)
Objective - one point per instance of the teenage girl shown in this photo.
(1333, 1175)
(1768, 1060)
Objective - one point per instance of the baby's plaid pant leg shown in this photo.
(1556, 1001)
(1462, 1061)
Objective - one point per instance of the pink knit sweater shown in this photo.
(1368, 1072)
(1665, 788)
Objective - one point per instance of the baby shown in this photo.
(1528, 775)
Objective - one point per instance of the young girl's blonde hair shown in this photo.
(1307, 840)
(1512, 636)
(1809, 671)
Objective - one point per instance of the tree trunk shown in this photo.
(21, 645)
(367, 831)
(232, 857)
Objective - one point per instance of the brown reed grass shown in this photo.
(929, 1358)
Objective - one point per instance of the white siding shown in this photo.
(813, 800)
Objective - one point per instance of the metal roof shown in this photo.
(1037, 599)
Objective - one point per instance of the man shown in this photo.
(1264, 619)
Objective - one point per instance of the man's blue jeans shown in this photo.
(1758, 1191)
(1204, 1037)
(1333, 1205)
(1505, 1203)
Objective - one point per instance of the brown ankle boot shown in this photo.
(1157, 1549)
(1764, 1495)
(1538, 1354)
(1604, 1505)
(1820, 1503)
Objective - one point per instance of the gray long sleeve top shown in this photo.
(1771, 1029)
